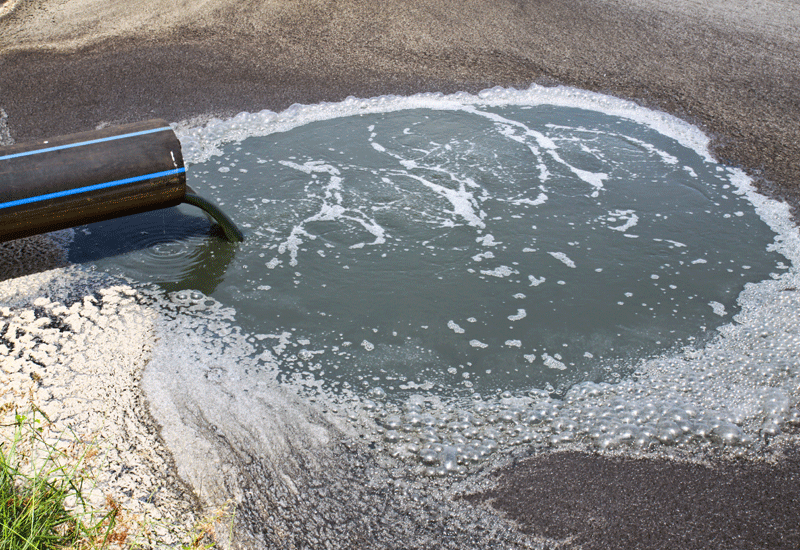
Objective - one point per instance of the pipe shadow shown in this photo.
(205, 258)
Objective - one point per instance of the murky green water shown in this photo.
(458, 250)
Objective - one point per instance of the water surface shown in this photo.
(458, 249)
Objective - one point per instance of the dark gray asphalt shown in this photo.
(629, 504)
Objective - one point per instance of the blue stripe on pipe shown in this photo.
(89, 188)
(81, 143)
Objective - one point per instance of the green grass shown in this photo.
(42, 502)
(41, 494)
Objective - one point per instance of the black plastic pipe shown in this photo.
(93, 176)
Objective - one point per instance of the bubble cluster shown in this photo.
(737, 394)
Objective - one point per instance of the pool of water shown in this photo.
(456, 247)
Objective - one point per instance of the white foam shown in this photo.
(487, 240)
(200, 143)
(534, 281)
(464, 203)
(315, 166)
(519, 316)
(629, 215)
(666, 157)
(452, 325)
(507, 126)
(328, 211)
(541, 199)
(488, 255)
(563, 258)
(499, 272)
(718, 308)
(552, 362)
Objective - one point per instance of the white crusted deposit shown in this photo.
(72, 349)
